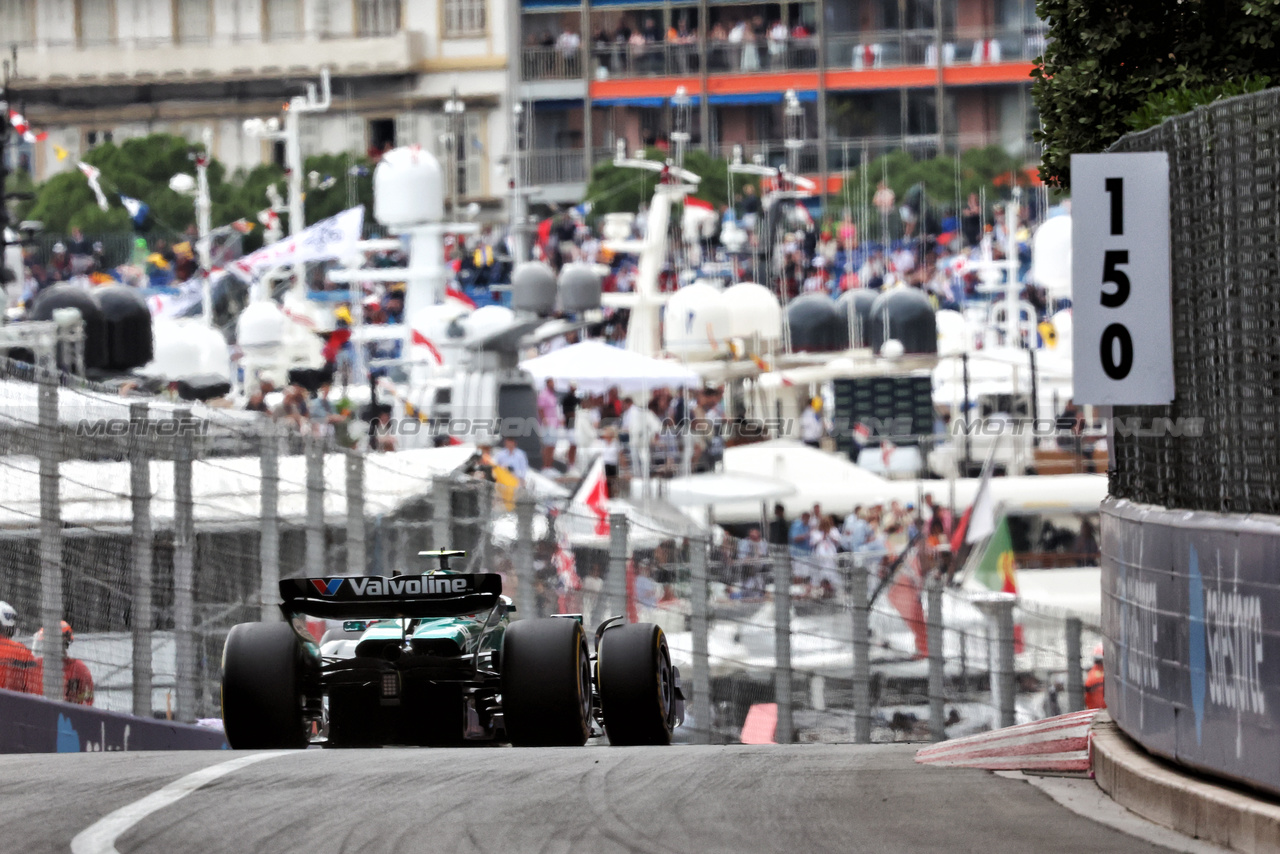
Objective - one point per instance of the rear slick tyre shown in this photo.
(637, 685)
(263, 671)
(546, 683)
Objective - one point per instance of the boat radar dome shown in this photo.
(816, 325)
(696, 321)
(408, 189)
(905, 315)
(65, 295)
(533, 288)
(859, 302)
(753, 309)
(579, 288)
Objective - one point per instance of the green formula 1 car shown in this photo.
(434, 659)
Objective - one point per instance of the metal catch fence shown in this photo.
(152, 526)
(1223, 222)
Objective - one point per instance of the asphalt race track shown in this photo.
(685, 800)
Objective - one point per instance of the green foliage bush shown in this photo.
(142, 167)
(1112, 67)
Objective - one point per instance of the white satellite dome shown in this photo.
(617, 226)
(261, 324)
(1051, 257)
(177, 352)
(753, 309)
(211, 346)
(696, 321)
(953, 332)
(408, 189)
(487, 320)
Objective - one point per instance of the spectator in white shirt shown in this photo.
(511, 458)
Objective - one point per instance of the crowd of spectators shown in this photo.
(645, 46)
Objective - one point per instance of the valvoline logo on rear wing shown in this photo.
(430, 595)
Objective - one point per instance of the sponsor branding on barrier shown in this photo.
(1234, 637)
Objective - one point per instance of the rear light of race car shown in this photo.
(390, 686)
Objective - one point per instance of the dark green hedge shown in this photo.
(1110, 66)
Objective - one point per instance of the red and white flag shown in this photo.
(92, 173)
(420, 340)
(452, 293)
(594, 495)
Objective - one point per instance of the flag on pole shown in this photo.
(420, 340)
(998, 570)
(93, 174)
(568, 583)
(138, 211)
(594, 495)
(452, 293)
(335, 237)
(979, 521)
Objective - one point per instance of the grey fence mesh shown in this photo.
(1223, 174)
(158, 525)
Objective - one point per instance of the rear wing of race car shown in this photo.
(380, 597)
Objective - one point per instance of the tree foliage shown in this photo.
(1107, 65)
(142, 167)
(616, 189)
(947, 181)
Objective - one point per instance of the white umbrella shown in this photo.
(595, 367)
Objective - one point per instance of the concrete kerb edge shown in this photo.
(1178, 800)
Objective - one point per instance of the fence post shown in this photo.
(441, 512)
(357, 560)
(937, 718)
(616, 585)
(782, 645)
(861, 653)
(269, 545)
(49, 449)
(701, 676)
(525, 588)
(313, 447)
(1004, 669)
(184, 554)
(143, 617)
(1075, 678)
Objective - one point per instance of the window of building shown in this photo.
(378, 17)
(17, 23)
(95, 22)
(382, 136)
(193, 21)
(96, 137)
(283, 19)
(464, 18)
(469, 173)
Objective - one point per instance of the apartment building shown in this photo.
(95, 70)
(873, 76)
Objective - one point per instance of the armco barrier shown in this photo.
(30, 724)
(1191, 607)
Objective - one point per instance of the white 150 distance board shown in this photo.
(1122, 311)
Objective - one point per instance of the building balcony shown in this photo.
(848, 153)
(134, 61)
(863, 51)
(867, 51)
